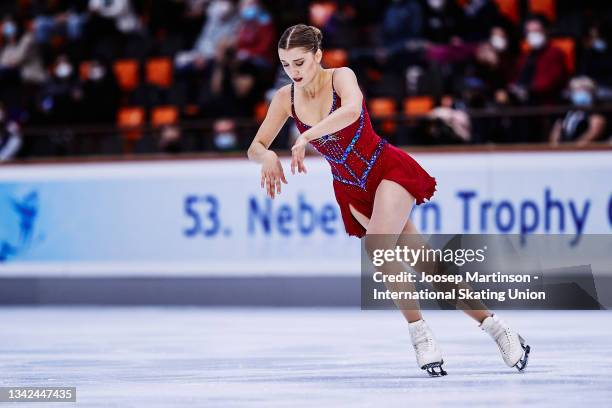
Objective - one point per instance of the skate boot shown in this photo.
(428, 354)
(511, 345)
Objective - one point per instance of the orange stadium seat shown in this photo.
(164, 115)
(130, 119)
(568, 46)
(126, 72)
(159, 72)
(84, 70)
(418, 105)
(261, 110)
(191, 110)
(510, 9)
(381, 107)
(545, 7)
(335, 58)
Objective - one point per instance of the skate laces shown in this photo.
(422, 338)
(501, 333)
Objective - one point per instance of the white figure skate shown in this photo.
(428, 354)
(511, 345)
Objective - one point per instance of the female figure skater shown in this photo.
(375, 183)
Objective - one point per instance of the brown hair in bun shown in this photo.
(301, 36)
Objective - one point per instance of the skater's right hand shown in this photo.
(272, 174)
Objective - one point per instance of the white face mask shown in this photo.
(600, 45)
(499, 43)
(536, 39)
(96, 73)
(63, 70)
(436, 4)
(225, 140)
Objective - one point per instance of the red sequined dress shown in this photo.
(360, 160)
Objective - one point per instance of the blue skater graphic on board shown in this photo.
(26, 210)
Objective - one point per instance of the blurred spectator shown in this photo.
(221, 25)
(68, 21)
(21, 66)
(234, 88)
(224, 137)
(340, 31)
(119, 11)
(20, 54)
(441, 21)
(113, 30)
(170, 140)
(402, 31)
(194, 67)
(398, 48)
(100, 94)
(580, 125)
(402, 22)
(597, 57)
(542, 72)
(446, 125)
(195, 7)
(10, 137)
(193, 18)
(496, 59)
(479, 16)
(256, 36)
(61, 96)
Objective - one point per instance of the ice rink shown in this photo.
(168, 357)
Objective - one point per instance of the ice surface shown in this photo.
(167, 357)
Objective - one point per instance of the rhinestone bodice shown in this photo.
(351, 152)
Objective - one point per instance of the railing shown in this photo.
(197, 135)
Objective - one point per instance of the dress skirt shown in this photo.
(393, 164)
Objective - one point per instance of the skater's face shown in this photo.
(300, 65)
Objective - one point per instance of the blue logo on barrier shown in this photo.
(26, 210)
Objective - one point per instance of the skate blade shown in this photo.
(522, 363)
(435, 369)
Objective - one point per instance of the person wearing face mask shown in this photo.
(597, 57)
(101, 94)
(21, 67)
(59, 101)
(194, 67)
(496, 58)
(255, 41)
(542, 73)
(221, 23)
(580, 125)
(19, 54)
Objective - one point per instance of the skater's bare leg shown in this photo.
(392, 205)
(390, 214)
(413, 239)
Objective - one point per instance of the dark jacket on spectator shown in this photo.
(441, 25)
(478, 19)
(403, 21)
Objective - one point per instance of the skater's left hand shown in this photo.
(298, 153)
